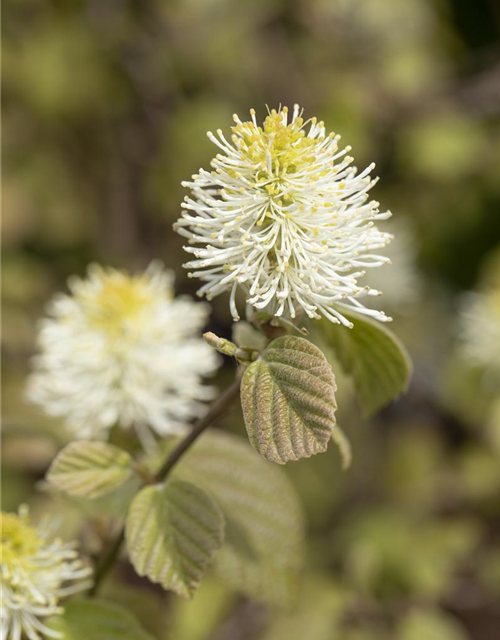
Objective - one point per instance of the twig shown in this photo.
(218, 407)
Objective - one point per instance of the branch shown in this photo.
(218, 407)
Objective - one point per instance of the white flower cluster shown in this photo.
(37, 570)
(480, 329)
(284, 217)
(122, 350)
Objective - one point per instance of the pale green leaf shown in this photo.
(90, 469)
(431, 625)
(384, 541)
(374, 356)
(246, 336)
(147, 605)
(318, 614)
(91, 619)
(288, 400)
(344, 446)
(172, 532)
(202, 617)
(262, 552)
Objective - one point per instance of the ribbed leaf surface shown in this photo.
(86, 619)
(288, 400)
(172, 532)
(378, 362)
(90, 469)
(262, 551)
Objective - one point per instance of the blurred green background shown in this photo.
(106, 105)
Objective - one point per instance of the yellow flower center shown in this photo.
(118, 306)
(285, 145)
(20, 541)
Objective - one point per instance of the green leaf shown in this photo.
(147, 605)
(431, 625)
(345, 450)
(288, 400)
(263, 549)
(382, 543)
(246, 336)
(202, 617)
(91, 619)
(318, 615)
(172, 532)
(90, 469)
(378, 362)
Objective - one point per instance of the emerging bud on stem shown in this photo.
(228, 348)
(222, 345)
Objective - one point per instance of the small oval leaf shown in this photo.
(91, 619)
(90, 469)
(288, 400)
(262, 554)
(172, 533)
(378, 362)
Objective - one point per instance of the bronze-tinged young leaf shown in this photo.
(90, 469)
(91, 619)
(288, 400)
(378, 362)
(172, 533)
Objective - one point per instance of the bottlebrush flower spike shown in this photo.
(37, 570)
(286, 218)
(121, 349)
